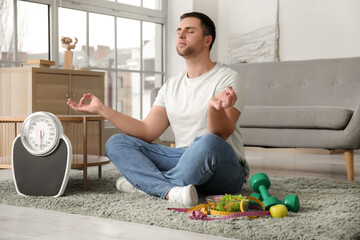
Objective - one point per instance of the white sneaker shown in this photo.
(186, 195)
(124, 185)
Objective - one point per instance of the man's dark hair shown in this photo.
(207, 24)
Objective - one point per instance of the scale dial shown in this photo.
(40, 133)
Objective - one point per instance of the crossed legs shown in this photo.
(209, 163)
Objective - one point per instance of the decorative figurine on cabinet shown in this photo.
(68, 57)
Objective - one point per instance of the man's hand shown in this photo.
(222, 116)
(95, 106)
(148, 130)
(223, 99)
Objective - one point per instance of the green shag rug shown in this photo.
(330, 209)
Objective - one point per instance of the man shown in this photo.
(202, 105)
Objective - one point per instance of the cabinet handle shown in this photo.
(73, 95)
(67, 96)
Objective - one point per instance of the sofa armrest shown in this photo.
(352, 130)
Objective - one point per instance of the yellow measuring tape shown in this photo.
(255, 200)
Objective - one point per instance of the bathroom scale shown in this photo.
(41, 156)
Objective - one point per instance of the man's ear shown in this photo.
(208, 40)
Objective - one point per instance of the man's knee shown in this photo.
(214, 149)
(212, 138)
(212, 142)
(114, 142)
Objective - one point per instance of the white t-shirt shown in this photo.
(186, 102)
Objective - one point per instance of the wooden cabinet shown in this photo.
(27, 90)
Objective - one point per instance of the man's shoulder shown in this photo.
(181, 74)
(176, 77)
(223, 69)
(227, 74)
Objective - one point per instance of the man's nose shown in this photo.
(181, 35)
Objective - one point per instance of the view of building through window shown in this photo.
(129, 51)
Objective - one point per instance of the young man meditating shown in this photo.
(202, 105)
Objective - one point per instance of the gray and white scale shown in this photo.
(41, 156)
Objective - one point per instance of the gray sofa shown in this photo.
(301, 104)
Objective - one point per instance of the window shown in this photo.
(101, 41)
(152, 46)
(73, 24)
(126, 42)
(7, 46)
(32, 31)
(120, 106)
(32, 26)
(150, 81)
(131, 2)
(120, 82)
(153, 4)
(129, 94)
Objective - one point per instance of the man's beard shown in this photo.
(188, 51)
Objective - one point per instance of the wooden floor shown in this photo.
(28, 223)
(301, 163)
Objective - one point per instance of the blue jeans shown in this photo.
(209, 163)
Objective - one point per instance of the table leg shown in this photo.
(100, 144)
(85, 152)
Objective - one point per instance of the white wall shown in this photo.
(309, 29)
(209, 7)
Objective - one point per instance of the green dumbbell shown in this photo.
(257, 196)
(292, 203)
(260, 183)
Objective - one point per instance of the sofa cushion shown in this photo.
(306, 117)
